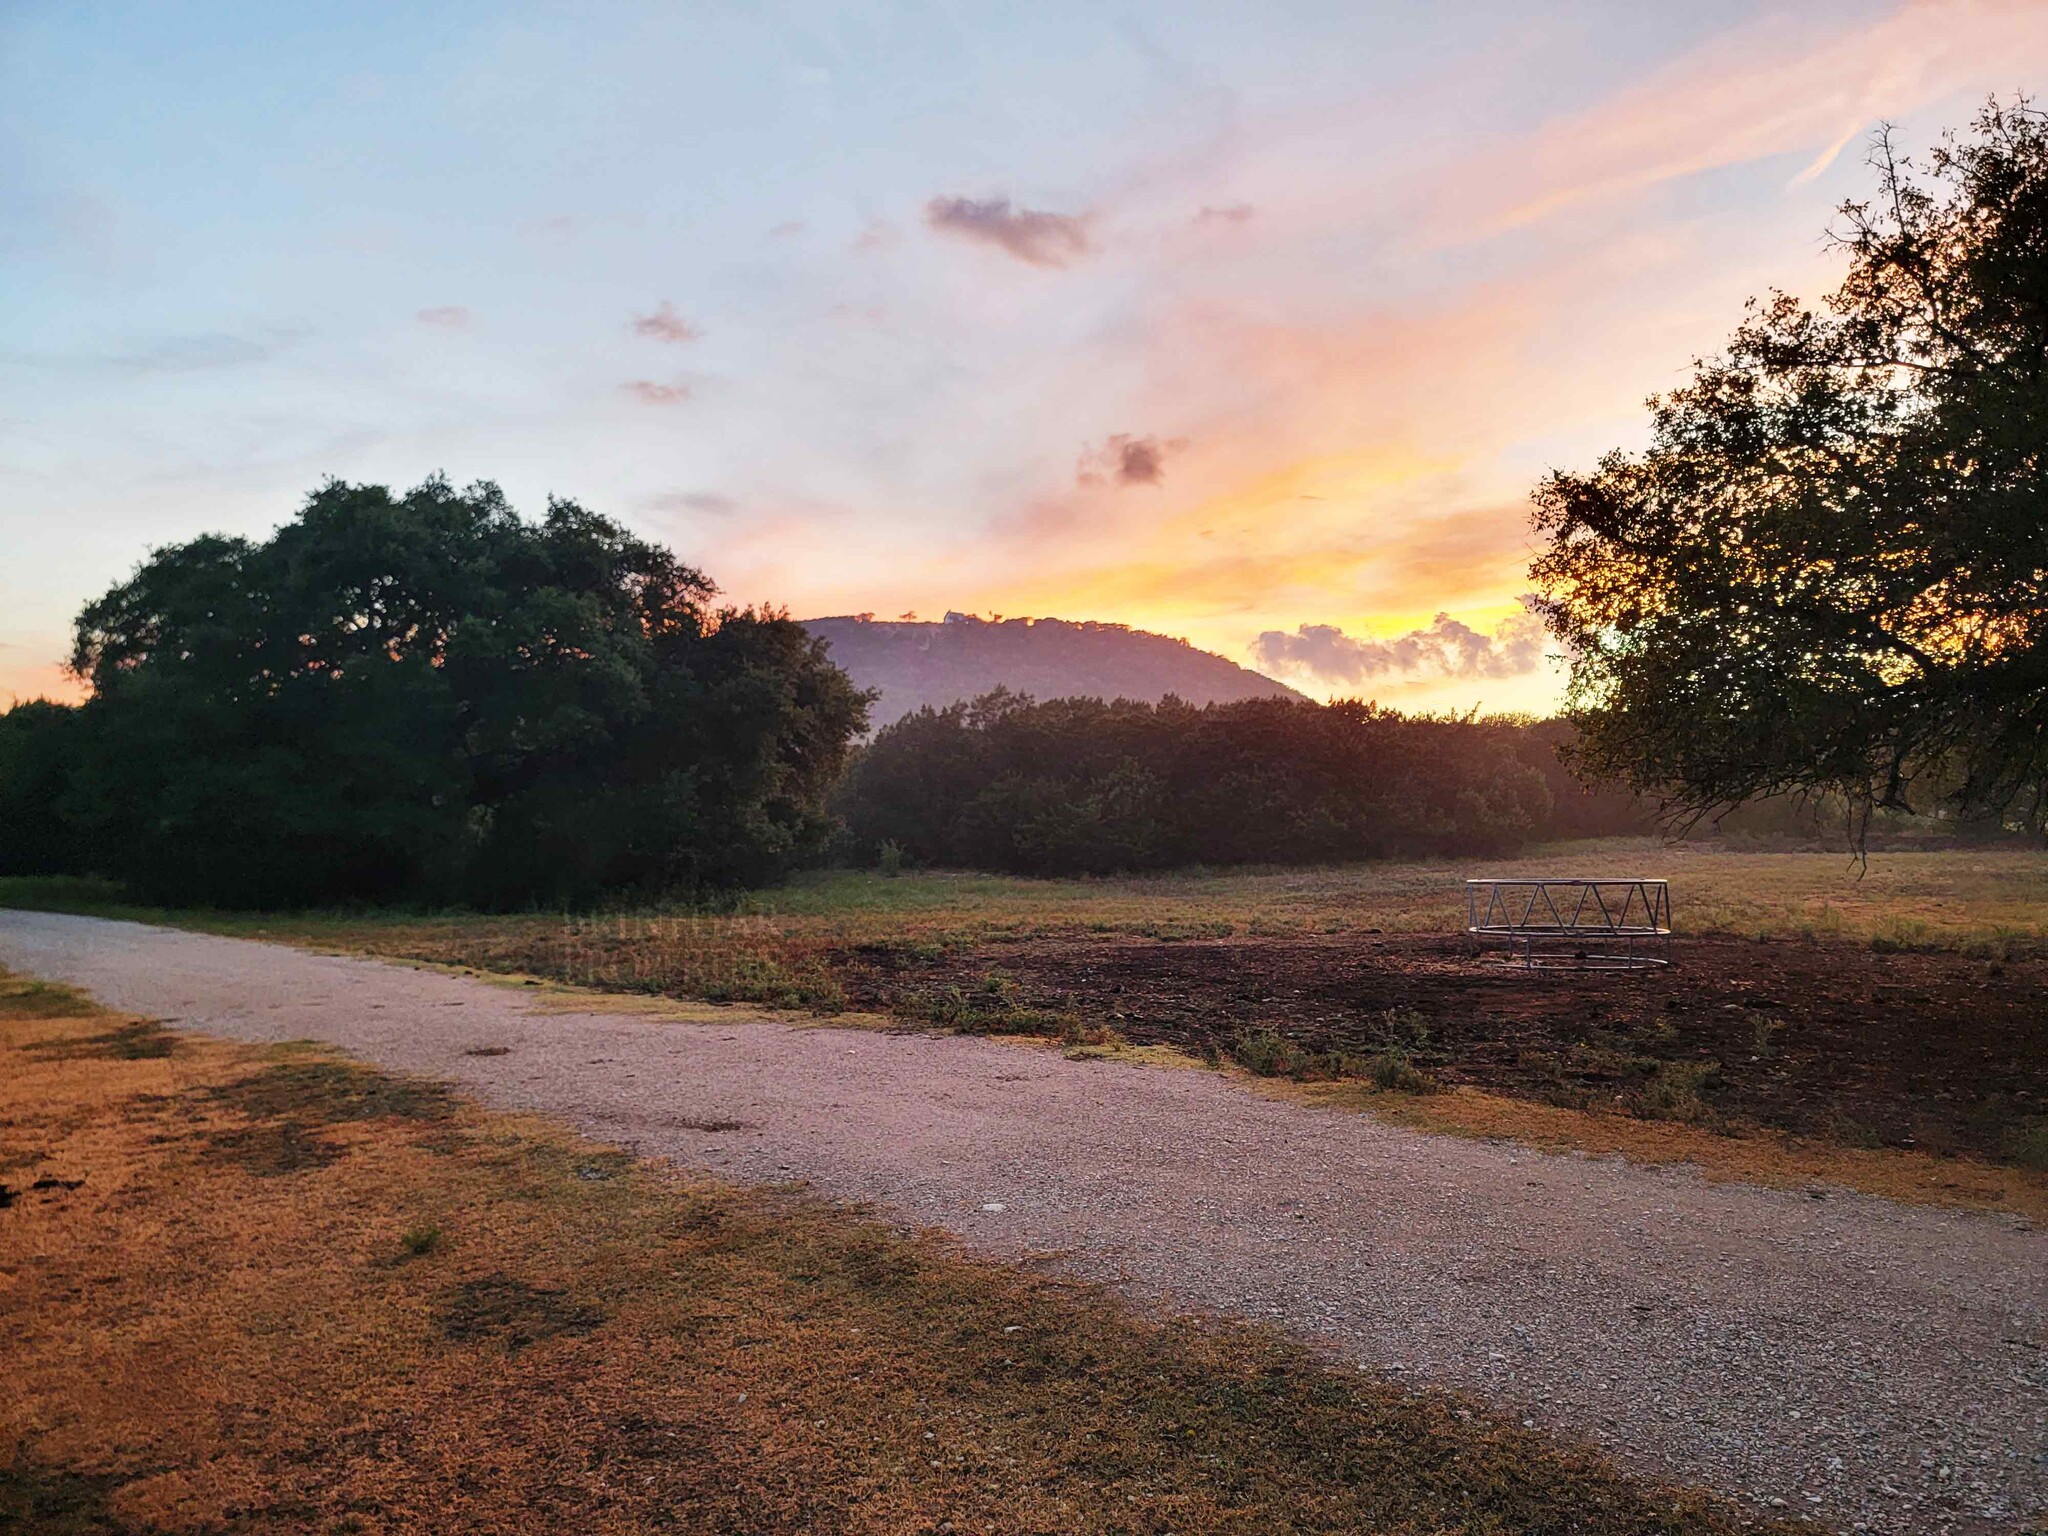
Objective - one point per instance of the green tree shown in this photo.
(40, 748)
(1829, 571)
(427, 696)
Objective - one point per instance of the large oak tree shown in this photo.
(1829, 571)
(427, 696)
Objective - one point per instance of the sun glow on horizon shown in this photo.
(1272, 338)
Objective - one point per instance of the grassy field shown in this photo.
(1894, 1006)
(1983, 901)
(271, 1291)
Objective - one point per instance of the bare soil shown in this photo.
(1936, 1051)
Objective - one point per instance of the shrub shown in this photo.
(1394, 1071)
(1674, 1091)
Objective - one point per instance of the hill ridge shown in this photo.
(912, 663)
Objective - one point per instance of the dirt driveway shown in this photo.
(1879, 1366)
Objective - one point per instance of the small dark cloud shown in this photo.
(1233, 213)
(707, 503)
(1127, 460)
(1030, 234)
(1446, 648)
(788, 229)
(452, 317)
(665, 325)
(648, 392)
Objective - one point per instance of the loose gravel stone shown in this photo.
(1844, 1356)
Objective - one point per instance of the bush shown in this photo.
(1395, 1071)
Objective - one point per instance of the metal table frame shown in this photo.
(1621, 924)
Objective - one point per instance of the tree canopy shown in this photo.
(427, 696)
(1829, 570)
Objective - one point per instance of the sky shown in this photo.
(1252, 324)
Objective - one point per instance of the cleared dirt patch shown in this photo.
(1935, 1051)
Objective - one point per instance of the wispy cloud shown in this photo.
(201, 352)
(1030, 234)
(1231, 213)
(1787, 84)
(665, 325)
(709, 503)
(876, 235)
(1445, 648)
(452, 317)
(649, 392)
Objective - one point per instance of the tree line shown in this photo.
(1084, 786)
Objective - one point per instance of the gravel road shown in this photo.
(1880, 1367)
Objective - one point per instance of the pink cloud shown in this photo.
(648, 392)
(665, 325)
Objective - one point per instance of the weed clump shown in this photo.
(1676, 1091)
(2026, 1142)
(1401, 1035)
(1393, 1071)
(418, 1242)
(1265, 1053)
(989, 1009)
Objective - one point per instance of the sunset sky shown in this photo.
(1252, 324)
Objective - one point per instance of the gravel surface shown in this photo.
(1880, 1367)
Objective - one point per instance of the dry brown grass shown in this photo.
(1778, 1162)
(456, 1321)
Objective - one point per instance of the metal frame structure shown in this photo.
(1593, 925)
